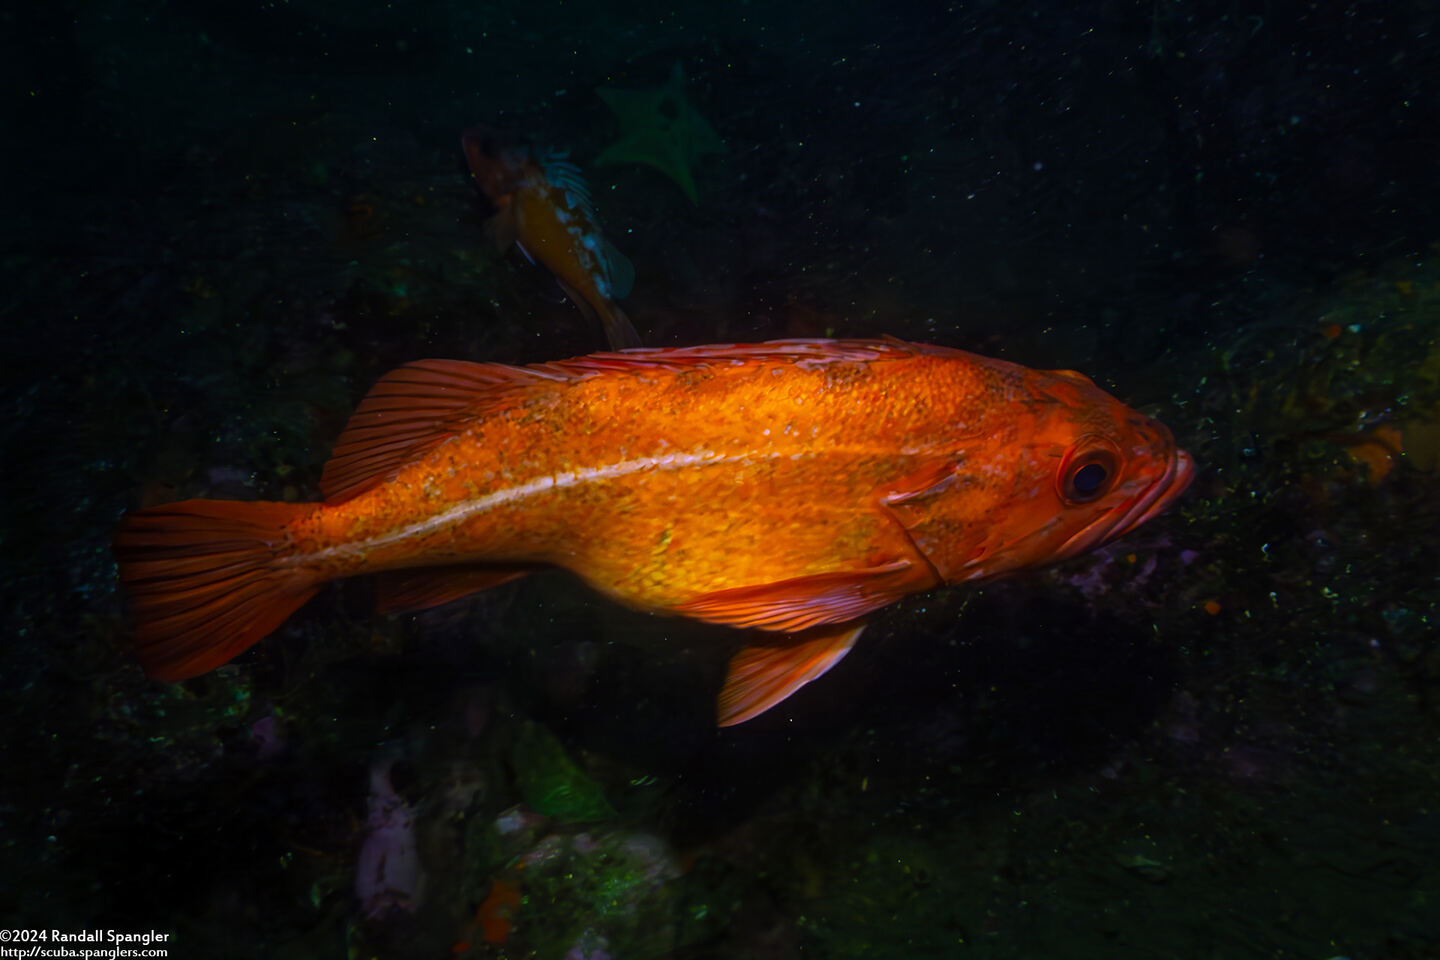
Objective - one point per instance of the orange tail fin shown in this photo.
(204, 580)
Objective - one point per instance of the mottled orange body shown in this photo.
(789, 486)
(543, 205)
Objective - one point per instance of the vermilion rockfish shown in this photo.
(793, 486)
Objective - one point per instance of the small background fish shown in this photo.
(543, 206)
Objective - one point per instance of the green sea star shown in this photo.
(660, 127)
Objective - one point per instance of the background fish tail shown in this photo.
(204, 580)
(618, 329)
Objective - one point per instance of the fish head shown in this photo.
(1069, 469)
(498, 165)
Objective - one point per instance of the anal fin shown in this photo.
(406, 591)
(763, 674)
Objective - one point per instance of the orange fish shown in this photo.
(543, 206)
(792, 486)
(493, 918)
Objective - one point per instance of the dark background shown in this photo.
(224, 220)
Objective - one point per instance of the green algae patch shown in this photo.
(554, 785)
(586, 892)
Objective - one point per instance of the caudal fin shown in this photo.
(618, 329)
(206, 582)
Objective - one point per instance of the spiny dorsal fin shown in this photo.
(802, 352)
(415, 407)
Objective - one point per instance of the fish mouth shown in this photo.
(1149, 504)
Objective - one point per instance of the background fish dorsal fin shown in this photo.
(566, 177)
(416, 407)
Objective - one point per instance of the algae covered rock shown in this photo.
(552, 784)
(575, 893)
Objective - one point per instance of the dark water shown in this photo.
(1215, 738)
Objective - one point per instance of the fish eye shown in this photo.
(1088, 480)
(1088, 475)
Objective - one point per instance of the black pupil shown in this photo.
(1089, 479)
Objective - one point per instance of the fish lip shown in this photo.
(1179, 474)
(1151, 502)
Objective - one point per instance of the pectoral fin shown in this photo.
(916, 503)
(930, 480)
(805, 602)
(761, 675)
